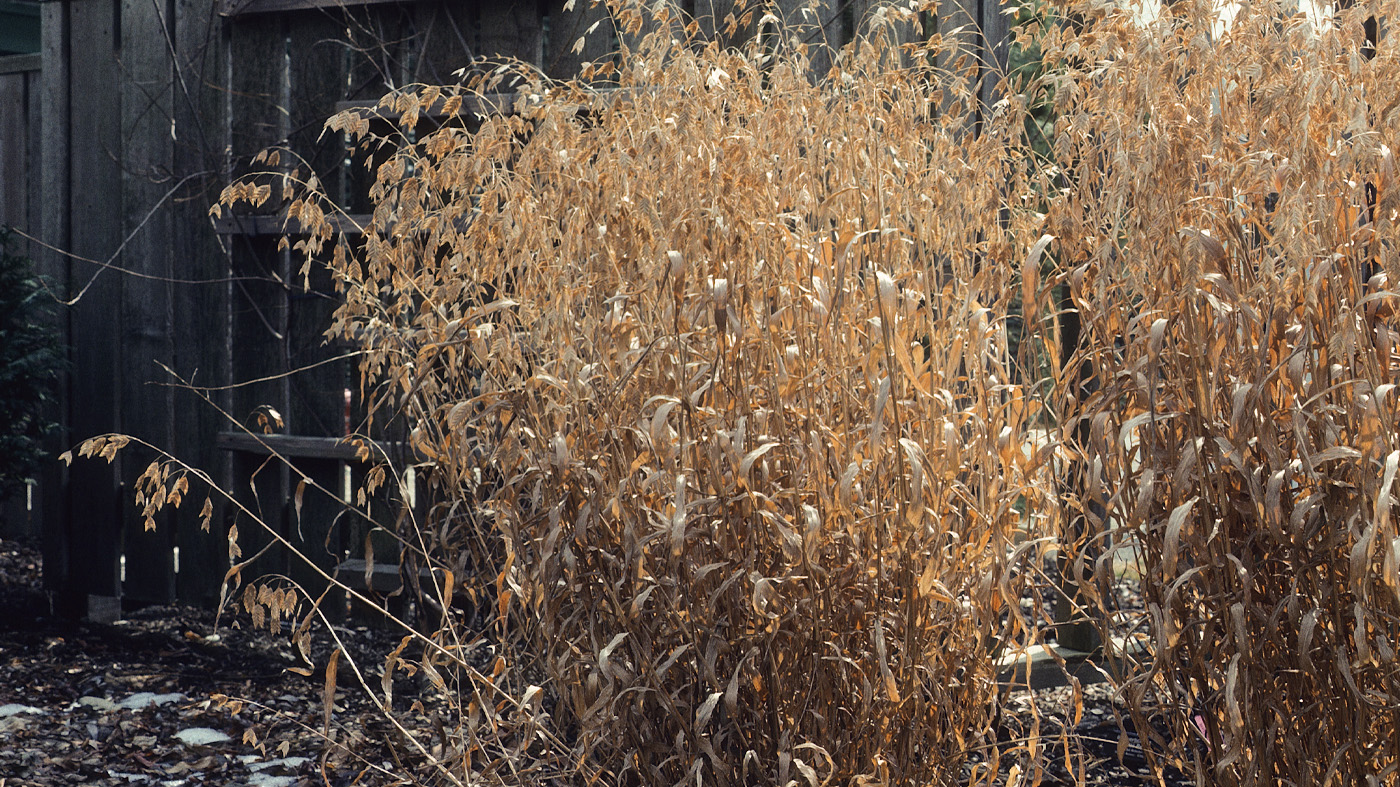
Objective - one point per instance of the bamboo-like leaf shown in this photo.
(930, 585)
(891, 686)
(449, 587)
(1232, 700)
(763, 595)
(1171, 541)
(328, 692)
(706, 709)
(678, 518)
(391, 663)
(658, 421)
(746, 465)
(608, 649)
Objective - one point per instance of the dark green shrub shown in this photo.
(29, 364)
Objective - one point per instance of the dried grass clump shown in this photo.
(713, 375)
(1229, 222)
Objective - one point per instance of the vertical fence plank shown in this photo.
(33, 134)
(53, 267)
(383, 49)
(317, 70)
(595, 25)
(47, 473)
(441, 42)
(994, 49)
(829, 26)
(258, 319)
(509, 30)
(961, 16)
(95, 205)
(147, 402)
(14, 134)
(201, 313)
(399, 56)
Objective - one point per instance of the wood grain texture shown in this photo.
(441, 45)
(54, 229)
(19, 64)
(994, 49)
(147, 325)
(14, 150)
(278, 226)
(34, 195)
(304, 447)
(509, 31)
(93, 189)
(258, 305)
(201, 312)
(318, 71)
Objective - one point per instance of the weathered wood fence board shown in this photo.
(55, 489)
(147, 111)
(258, 308)
(19, 143)
(201, 143)
(146, 408)
(93, 194)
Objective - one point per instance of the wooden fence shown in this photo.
(148, 110)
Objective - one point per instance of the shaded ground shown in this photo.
(138, 702)
(142, 702)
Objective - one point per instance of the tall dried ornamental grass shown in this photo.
(715, 378)
(712, 374)
(1228, 221)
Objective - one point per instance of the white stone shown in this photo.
(289, 763)
(98, 703)
(145, 699)
(200, 736)
(13, 708)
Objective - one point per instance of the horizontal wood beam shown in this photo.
(382, 577)
(301, 447)
(474, 104)
(15, 64)
(247, 7)
(235, 224)
(1038, 668)
(483, 104)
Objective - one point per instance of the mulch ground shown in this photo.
(165, 698)
(142, 702)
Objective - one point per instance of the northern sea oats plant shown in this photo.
(1227, 216)
(713, 374)
(713, 377)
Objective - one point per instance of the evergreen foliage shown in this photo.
(29, 364)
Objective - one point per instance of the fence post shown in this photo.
(1072, 630)
(82, 197)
